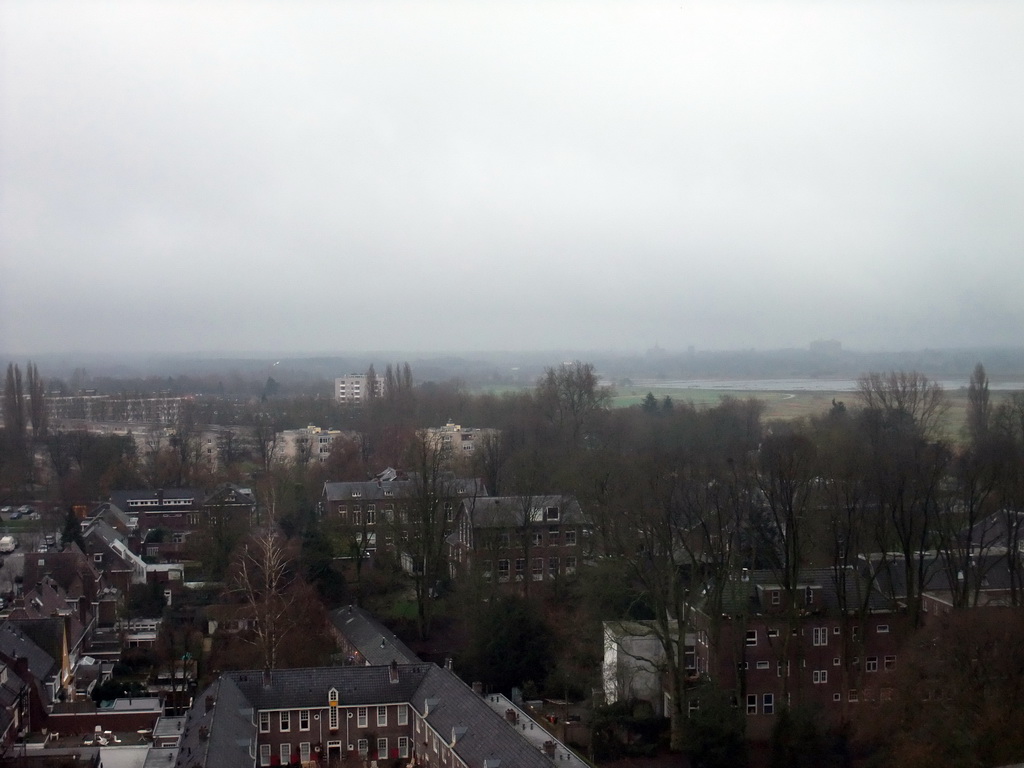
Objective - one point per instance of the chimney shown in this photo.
(478, 688)
(267, 679)
(160, 497)
(393, 671)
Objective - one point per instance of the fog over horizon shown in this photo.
(180, 178)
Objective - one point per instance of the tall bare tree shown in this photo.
(264, 579)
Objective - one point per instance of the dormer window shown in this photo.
(357, 494)
(551, 513)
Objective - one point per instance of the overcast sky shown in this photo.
(334, 176)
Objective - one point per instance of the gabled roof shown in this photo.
(486, 736)
(219, 730)
(308, 688)
(231, 495)
(15, 644)
(375, 642)
(391, 483)
(70, 569)
(124, 500)
(509, 511)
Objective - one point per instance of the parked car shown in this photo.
(6, 510)
(16, 514)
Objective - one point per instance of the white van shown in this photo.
(8, 543)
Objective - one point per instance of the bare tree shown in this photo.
(264, 580)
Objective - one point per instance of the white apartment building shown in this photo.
(353, 388)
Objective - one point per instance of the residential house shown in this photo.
(831, 642)
(420, 714)
(520, 539)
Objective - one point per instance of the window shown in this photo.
(837, 697)
(371, 514)
(382, 748)
(332, 718)
(764, 665)
(836, 661)
(362, 717)
(286, 721)
(382, 716)
(820, 635)
(264, 722)
(852, 695)
(570, 538)
(780, 666)
(883, 629)
(357, 515)
(872, 664)
(890, 663)
(553, 533)
(751, 703)
(538, 538)
(178, 537)
(303, 719)
(751, 637)
(403, 746)
(776, 597)
(855, 633)
(520, 568)
(809, 596)
(773, 633)
(768, 704)
(552, 567)
(285, 752)
(403, 714)
(570, 565)
(538, 569)
(304, 751)
(819, 676)
(504, 541)
(486, 564)
(264, 754)
(551, 513)
(503, 570)
(836, 630)
(363, 746)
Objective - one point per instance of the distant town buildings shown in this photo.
(355, 388)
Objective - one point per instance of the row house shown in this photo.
(419, 714)
(831, 642)
(520, 539)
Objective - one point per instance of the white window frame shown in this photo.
(768, 704)
(889, 663)
(764, 665)
(820, 636)
(382, 741)
(304, 751)
(363, 747)
(882, 629)
(403, 714)
(403, 747)
(751, 637)
(382, 716)
(751, 703)
(264, 754)
(284, 751)
(285, 721)
(303, 719)
(264, 722)
(871, 664)
(362, 717)
(819, 676)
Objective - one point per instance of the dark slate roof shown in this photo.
(376, 643)
(16, 644)
(744, 593)
(220, 737)
(403, 485)
(487, 736)
(70, 569)
(506, 511)
(307, 688)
